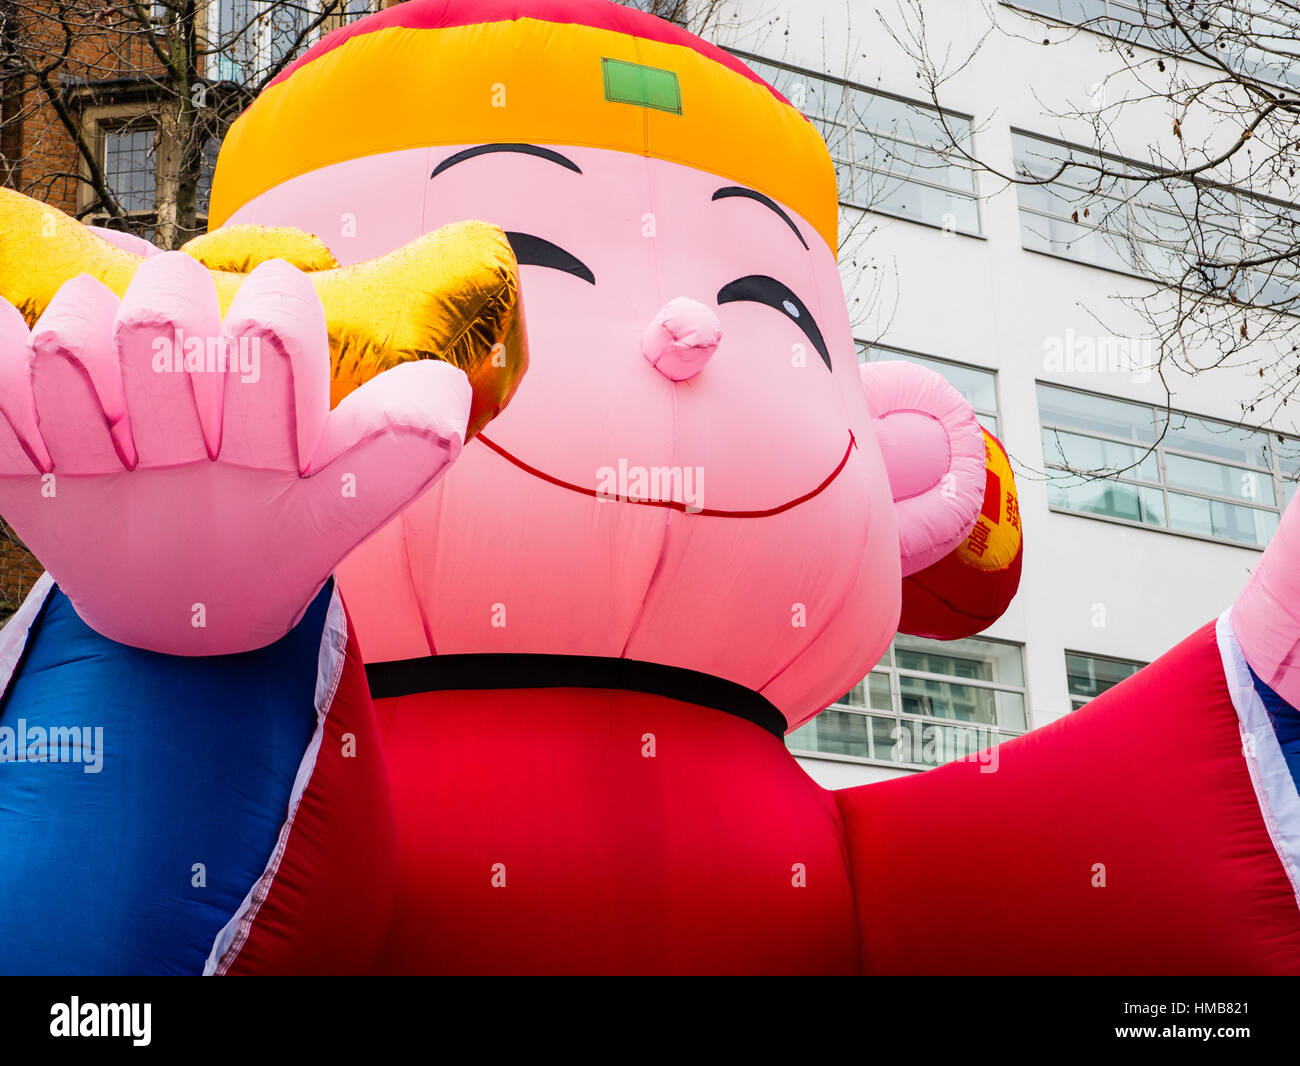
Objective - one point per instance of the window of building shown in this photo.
(130, 161)
(1108, 458)
(1256, 38)
(130, 165)
(1089, 676)
(1153, 229)
(252, 37)
(892, 156)
(207, 169)
(925, 703)
(978, 385)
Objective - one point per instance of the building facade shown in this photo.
(1021, 303)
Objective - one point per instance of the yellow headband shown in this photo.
(529, 81)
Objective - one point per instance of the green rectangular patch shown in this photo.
(631, 83)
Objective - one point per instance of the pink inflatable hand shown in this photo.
(1266, 616)
(182, 477)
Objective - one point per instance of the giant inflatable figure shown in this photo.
(596, 559)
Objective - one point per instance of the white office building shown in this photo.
(1010, 295)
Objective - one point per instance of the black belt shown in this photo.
(437, 673)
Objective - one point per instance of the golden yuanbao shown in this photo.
(452, 294)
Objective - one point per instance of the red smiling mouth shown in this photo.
(706, 512)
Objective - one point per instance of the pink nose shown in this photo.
(681, 339)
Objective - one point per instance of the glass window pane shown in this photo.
(252, 35)
(902, 120)
(910, 161)
(1250, 525)
(1011, 711)
(833, 732)
(1099, 414)
(836, 138)
(943, 699)
(1087, 209)
(1035, 157)
(287, 23)
(1176, 198)
(1211, 518)
(982, 660)
(821, 98)
(1288, 454)
(1275, 285)
(129, 167)
(1190, 514)
(933, 744)
(1073, 11)
(237, 60)
(207, 169)
(804, 738)
(1248, 485)
(1072, 240)
(865, 722)
(1115, 499)
(871, 692)
(1249, 36)
(1155, 228)
(1218, 440)
(886, 739)
(1089, 455)
(1088, 676)
(814, 96)
(894, 195)
(888, 152)
(927, 698)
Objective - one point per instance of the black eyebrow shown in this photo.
(535, 251)
(522, 149)
(766, 201)
(760, 289)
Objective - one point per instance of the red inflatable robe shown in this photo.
(583, 830)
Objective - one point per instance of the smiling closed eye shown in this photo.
(534, 251)
(760, 289)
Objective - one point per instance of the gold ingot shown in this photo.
(452, 294)
(237, 249)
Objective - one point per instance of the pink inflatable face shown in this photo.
(688, 475)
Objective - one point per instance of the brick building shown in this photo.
(80, 78)
(18, 572)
